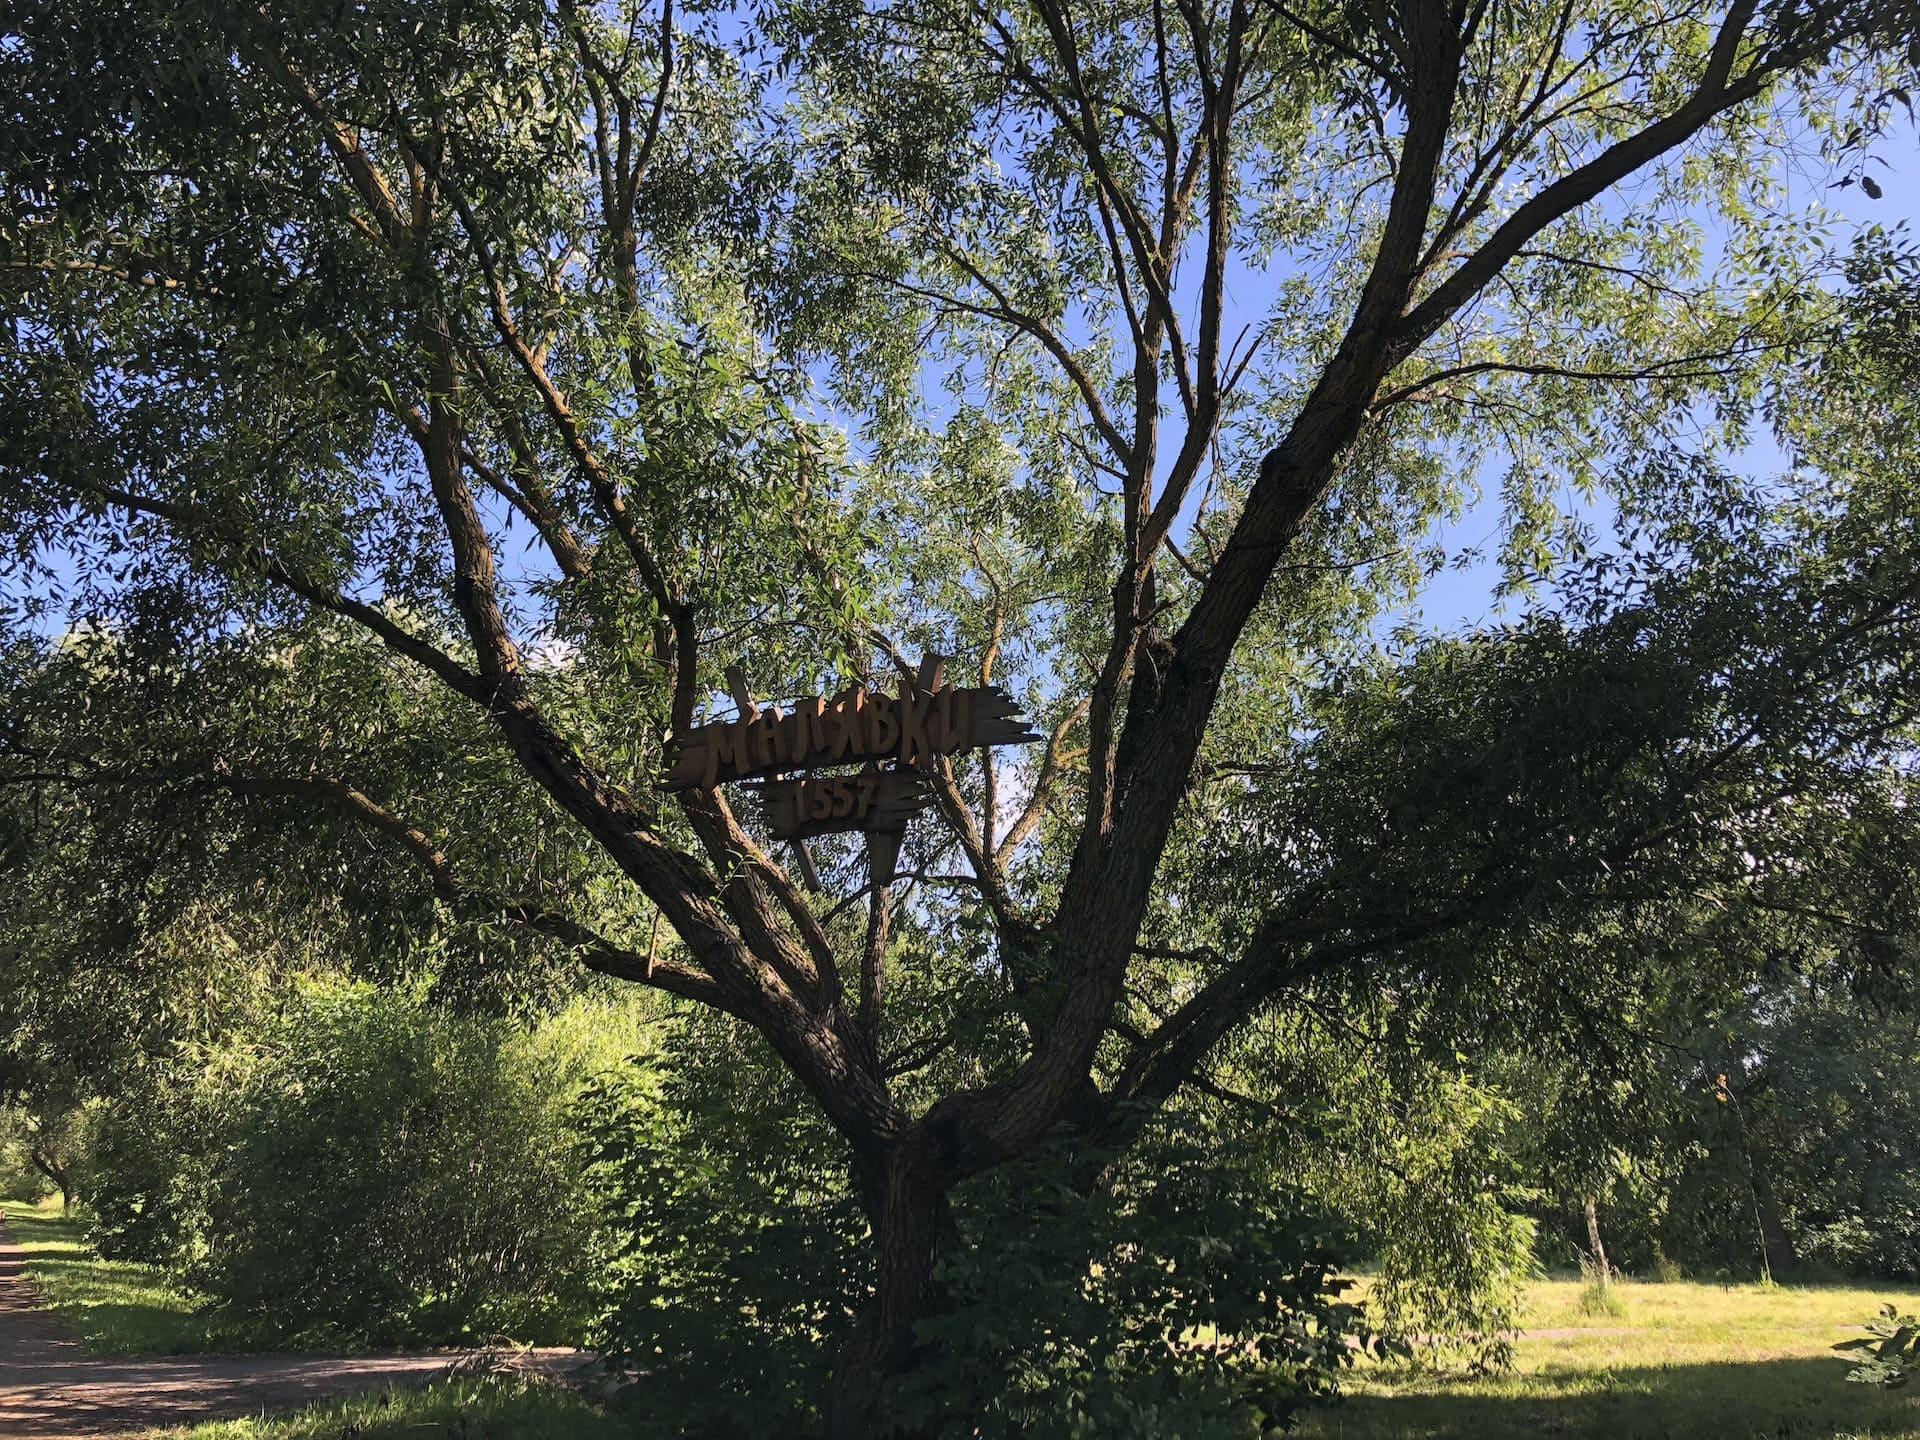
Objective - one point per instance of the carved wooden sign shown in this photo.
(893, 739)
(822, 804)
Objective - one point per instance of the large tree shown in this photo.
(812, 339)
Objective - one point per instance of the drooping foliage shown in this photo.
(416, 411)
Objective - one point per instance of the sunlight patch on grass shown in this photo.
(114, 1307)
(1732, 1362)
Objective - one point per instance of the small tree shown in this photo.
(1891, 1349)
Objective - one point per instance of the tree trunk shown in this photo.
(48, 1164)
(1777, 1255)
(1603, 1273)
(909, 1212)
(1775, 1242)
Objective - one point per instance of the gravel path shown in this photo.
(51, 1389)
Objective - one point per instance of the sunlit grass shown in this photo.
(1725, 1362)
(1598, 1299)
(114, 1307)
(1681, 1359)
(455, 1409)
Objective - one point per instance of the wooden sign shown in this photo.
(893, 739)
(825, 804)
(855, 727)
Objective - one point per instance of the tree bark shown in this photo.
(1603, 1272)
(908, 1208)
(1776, 1241)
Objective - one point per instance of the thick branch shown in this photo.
(595, 951)
(250, 555)
(1713, 97)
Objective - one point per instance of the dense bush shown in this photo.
(366, 1167)
(733, 1246)
(150, 1165)
(19, 1180)
(1183, 1294)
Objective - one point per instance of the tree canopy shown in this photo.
(415, 410)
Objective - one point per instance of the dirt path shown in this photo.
(51, 1389)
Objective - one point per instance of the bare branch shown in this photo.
(1052, 761)
(1005, 311)
(1680, 367)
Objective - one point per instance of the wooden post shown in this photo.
(883, 853)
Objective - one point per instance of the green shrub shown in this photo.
(395, 1174)
(1663, 1269)
(733, 1242)
(19, 1180)
(1889, 1353)
(1597, 1299)
(1183, 1296)
(149, 1168)
(365, 1167)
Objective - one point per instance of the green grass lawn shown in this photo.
(115, 1307)
(1682, 1360)
(452, 1410)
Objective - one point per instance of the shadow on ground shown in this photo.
(52, 1389)
(1804, 1399)
(106, 1315)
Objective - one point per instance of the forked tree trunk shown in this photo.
(909, 1213)
(48, 1164)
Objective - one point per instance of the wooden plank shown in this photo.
(878, 800)
(852, 727)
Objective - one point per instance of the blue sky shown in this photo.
(1464, 598)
